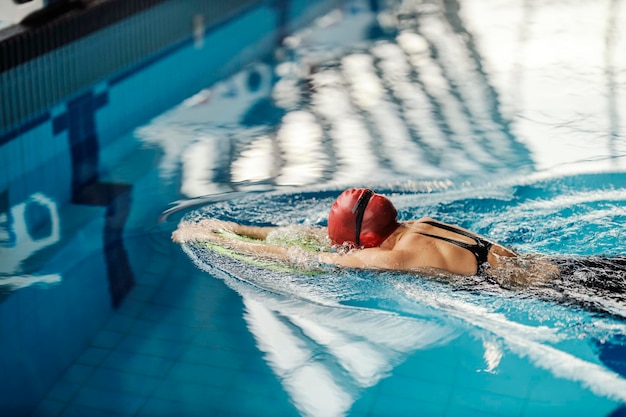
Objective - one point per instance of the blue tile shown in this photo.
(59, 124)
(151, 278)
(390, 406)
(434, 365)
(250, 382)
(486, 402)
(198, 298)
(142, 293)
(4, 363)
(8, 324)
(156, 407)
(131, 307)
(201, 374)
(153, 347)
(511, 384)
(93, 356)
(191, 394)
(24, 128)
(27, 304)
(109, 401)
(74, 410)
(543, 389)
(414, 389)
(364, 404)
(514, 377)
(106, 339)
(236, 341)
(585, 405)
(63, 390)
(213, 357)
(232, 405)
(77, 373)
(174, 316)
(48, 408)
(58, 109)
(469, 412)
(163, 331)
(159, 313)
(139, 364)
(120, 323)
(101, 99)
(114, 380)
(255, 363)
(226, 323)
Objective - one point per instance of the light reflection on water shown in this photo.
(386, 106)
(437, 101)
(436, 93)
(560, 74)
(305, 324)
(469, 113)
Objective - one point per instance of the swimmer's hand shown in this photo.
(205, 230)
(209, 229)
(216, 231)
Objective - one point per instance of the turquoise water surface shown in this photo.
(504, 119)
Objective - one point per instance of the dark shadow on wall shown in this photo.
(87, 189)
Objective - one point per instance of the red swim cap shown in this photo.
(361, 207)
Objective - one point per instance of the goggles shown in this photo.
(359, 210)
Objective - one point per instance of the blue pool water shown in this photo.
(504, 120)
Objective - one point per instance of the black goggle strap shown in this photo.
(359, 210)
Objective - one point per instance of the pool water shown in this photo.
(504, 119)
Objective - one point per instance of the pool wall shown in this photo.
(70, 89)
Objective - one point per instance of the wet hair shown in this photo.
(361, 218)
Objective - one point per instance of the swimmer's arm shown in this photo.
(207, 228)
(280, 253)
(209, 231)
(254, 232)
(371, 258)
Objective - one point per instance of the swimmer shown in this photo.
(364, 232)
(364, 227)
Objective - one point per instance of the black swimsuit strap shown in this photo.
(454, 230)
(468, 246)
(480, 249)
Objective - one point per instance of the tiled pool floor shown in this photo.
(174, 347)
(181, 346)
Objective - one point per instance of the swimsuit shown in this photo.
(596, 283)
(480, 249)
